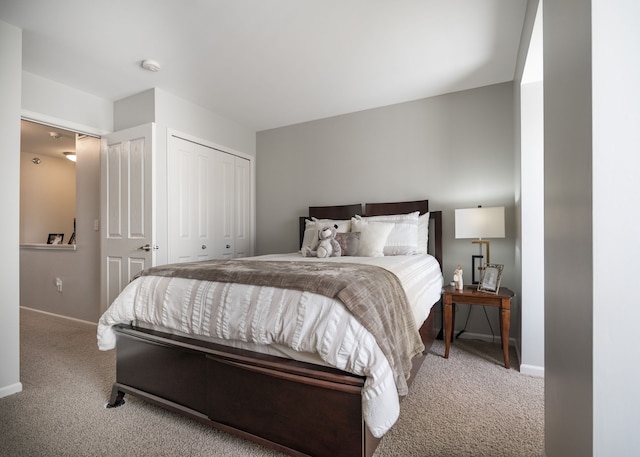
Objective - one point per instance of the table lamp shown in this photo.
(480, 223)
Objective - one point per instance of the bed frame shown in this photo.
(297, 408)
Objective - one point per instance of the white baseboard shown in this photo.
(482, 337)
(532, 370)
(11, 389)
(95, 324)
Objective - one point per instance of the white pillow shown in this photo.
(313, 225)
(423, 233)
(373, 236)
(310, 238)
(403, 239)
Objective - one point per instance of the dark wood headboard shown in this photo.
(343, 212)
(384, 209)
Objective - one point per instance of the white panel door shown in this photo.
(127, 214)
(224, 229)
(242, 208)
(190, 189)
(233, 189)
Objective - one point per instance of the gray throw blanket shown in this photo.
(372, 294)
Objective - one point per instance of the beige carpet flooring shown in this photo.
(468, 405)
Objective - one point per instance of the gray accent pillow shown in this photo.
(349, 242)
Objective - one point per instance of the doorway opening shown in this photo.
(59, 221)
(47, 184)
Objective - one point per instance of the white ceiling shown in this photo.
(271, 63)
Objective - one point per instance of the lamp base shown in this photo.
(476, 268)
(487, 247)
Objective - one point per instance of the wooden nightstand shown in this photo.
(471, 296)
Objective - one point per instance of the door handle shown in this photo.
(146, 247)
(228, 246)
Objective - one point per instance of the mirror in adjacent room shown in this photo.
(47, 183)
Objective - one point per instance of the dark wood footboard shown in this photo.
(295, 407)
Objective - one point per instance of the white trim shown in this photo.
(532, 370)
(10, 389)
(61, 123)
(53, 247)
(209, 144)
(95, 324)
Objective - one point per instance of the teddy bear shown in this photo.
(328, 245)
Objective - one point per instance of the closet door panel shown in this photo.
(190, 187)
(224, 208)
(203, 218)
(242, 206)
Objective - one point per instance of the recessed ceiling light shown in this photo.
(151, 65)
(54, 135)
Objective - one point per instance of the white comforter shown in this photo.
(299, 325)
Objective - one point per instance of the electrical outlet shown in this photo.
(96, 224)
(58, 283)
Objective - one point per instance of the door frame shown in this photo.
(88, 256)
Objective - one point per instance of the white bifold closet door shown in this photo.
(232, 213)
(209, 202)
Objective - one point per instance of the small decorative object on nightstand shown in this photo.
(472, 296)
(457, 278)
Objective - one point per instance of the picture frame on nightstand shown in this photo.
(490, 278)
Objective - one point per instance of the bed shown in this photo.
(327, 397)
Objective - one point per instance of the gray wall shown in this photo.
(47, 197)
(457, 150)
(568, 229)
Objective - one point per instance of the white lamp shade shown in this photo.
(480, 222)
